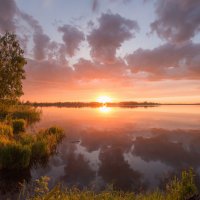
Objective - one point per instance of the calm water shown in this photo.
(133, 149)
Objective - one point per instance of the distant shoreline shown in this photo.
(125, 104)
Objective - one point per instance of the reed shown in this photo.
(22, 150)
(177, 189)
(19, 126)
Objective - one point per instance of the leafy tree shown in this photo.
(12, 64)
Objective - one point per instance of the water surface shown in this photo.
(132, 149)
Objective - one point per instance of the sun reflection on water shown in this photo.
(104, 109)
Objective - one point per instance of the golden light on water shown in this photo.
(104, 109)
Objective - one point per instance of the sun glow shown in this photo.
(104, 99)
(104, 109)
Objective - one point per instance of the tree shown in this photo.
(12, 64)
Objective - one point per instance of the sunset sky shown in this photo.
(78, 50)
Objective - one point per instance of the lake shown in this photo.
(133, 149)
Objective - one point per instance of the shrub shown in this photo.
(28, 113)
(26, 139)
(54, 131)
(22, 150)
(40, 150)
(15, 156)
(4, 140)
(57, 132)
(6, 130)
(19, 125)
(51, 137)
(177, 189)
(182, 188)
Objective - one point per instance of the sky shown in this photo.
(78, 50)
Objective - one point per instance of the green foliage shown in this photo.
(6, 130)
(19, 152)
(52, 136)
(46, 142)
(12, 72)
(182, 188)
(28, 113)
(26, 139)
(41, 186)
(40, 150)
(177, 189)
(14, 156)
(19, 126)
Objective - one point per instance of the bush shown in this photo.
(19, 125)
(177, 189)
(40, 150)
(182, 188)
(6, 130)
(28, 113)
(54, 131)
(15, 156)
(23, 150)
(51, 137)
(26, 139)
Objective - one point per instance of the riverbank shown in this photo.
(182, 188)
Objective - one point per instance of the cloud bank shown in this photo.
(177, 22)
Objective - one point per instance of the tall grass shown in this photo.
(19, 150)
(6, 130)
(28, 113)
(23, 150)
(15, 156)
(177, 189)
(19, 126)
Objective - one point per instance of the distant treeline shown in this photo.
(128, 104)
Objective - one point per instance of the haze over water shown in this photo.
(133, 149)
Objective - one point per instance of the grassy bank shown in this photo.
(177, 189)
(19, 149)
(17, 111)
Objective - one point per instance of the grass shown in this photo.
(15, 156)
(19, 126)
(18, 149)
(19, 152)
(6, 130)
(28, 113)
(177, 189)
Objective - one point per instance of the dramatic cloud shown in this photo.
(41, 40)
(49, 71)
(168, 61)
(8, 10)
(72, 38)
(10, 20)
(86, 69)
(177, 20)
(95, 3)
(113, 30)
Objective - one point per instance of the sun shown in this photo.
(104, 99)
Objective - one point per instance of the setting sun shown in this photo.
(104, 99)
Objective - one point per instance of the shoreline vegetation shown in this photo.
(179, 188)
(124, 104)
(20, 149)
